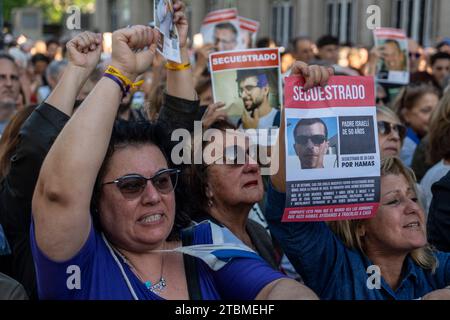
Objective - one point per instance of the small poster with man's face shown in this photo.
(332, 153)
(222, 28)
(249, 32)
(249, 83)
(169, 43)
(392, 46)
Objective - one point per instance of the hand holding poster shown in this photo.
(332, 153)
(248, 82)
(169, 44)
(393, 66)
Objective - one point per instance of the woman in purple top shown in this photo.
(125, 250)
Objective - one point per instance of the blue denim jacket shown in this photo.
(336, 272)
(4, 246)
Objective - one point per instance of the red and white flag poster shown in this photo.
(332, 152)
(222, 28)
(393, 66)
(249, 32)
(249, 83)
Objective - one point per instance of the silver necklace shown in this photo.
(156, 288)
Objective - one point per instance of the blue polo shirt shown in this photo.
(95, 274)
(336, 272)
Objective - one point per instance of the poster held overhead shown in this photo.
(332, 153)
(393, 67)
(169, 42)
(222, 28)
(249, 83)
(249, 32)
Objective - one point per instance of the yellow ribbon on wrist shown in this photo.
(177, 66)
(126, 82)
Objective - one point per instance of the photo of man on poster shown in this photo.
(254, 90)
(311, 142)
(225, 36)
(164, 13)
(393, 56)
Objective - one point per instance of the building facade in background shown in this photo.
(282, 20)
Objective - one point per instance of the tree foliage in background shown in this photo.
(53, 10)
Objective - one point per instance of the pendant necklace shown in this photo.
(156, 288)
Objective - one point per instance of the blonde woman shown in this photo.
(383, 258)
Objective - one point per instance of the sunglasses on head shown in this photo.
(385, 128)
(316, 139)
(131, 186)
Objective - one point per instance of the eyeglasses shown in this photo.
(414, 55)
(385, 128)
(131, 186)
(384, 100)
(248, 89)
(224, 41)
(316, 139)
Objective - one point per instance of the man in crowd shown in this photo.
(303, 49)
(328, 55)
(311, 142)
(328, 47)
(53, 74)
(415, 55)
(225, 36)
(254, 89)
(444, 46)
(52, 49)
(440, 66)
(9, 89)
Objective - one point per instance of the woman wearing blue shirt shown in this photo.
(125, 250)
(383, 258)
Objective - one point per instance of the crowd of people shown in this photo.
(92, 205)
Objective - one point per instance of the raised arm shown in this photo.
(314, 75)
(61, 201)
(307, 245)
(286, 289)
(38, 133)
(82, 63)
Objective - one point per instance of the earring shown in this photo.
(210, 203)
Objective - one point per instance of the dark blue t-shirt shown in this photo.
(335, 272)
(94, 274)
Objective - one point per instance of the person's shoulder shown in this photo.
(10, 289)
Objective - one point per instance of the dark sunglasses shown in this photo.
(131, 186)
(317, 139)
(385, 128)
(415, 55)
(384, 100)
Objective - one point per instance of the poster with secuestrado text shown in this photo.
(393, 65)
(249, 83)
(169, 42)
(222, 28)
(332, 152)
